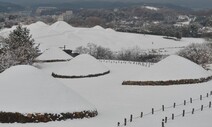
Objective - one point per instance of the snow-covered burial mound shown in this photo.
(172, 70)
(29, 95)
(80, 67)
(61, 26)
(53, 55)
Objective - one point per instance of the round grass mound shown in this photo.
(53, 55)
(81, 66)
(173, 70)
(29, 95)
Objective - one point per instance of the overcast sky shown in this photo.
(158, 1)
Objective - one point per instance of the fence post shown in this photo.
(162, 122)
(200, 97)
(184, 102)
(183, 113)
(210, 104)
(192, 111)
(118, 124)
(163, 107)
(207, 95)
(166, 119)
(201, 107)
(172, 116)
(125, 121)
(211, 92)
(141, 114)
(131, 117)
(174, 105)
(152, 110)
(191, 100)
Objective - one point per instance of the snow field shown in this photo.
(113, 101)
(61, 33)
(155, 119)
(121, 101)
(116, 102)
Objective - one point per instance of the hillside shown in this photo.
(110, 3)
(60, 34)
(10, 7)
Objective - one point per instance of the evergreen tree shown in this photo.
(18, 48)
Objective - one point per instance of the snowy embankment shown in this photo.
(61, 33)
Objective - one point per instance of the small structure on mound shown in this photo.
(172, 70)
(80, 67)
(53, 55)
(29, 95)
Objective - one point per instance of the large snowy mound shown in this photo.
(37, 25)
(172, 68)
(61, 26)
(25, 89)
(97, 27)
(82, 65)
(54, 54)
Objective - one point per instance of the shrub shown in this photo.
(198, 53)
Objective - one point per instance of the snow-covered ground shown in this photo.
(113, 101)
(116, 102)
(151, 8)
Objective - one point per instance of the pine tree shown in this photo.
(18, 48)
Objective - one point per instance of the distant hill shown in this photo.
(10, 7)
(194, 4)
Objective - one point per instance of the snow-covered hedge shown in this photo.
(169, 82)
(50, 61)
(10, 117)
(81, 76)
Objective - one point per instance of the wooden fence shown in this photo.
(145, 64)
(172, 116)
